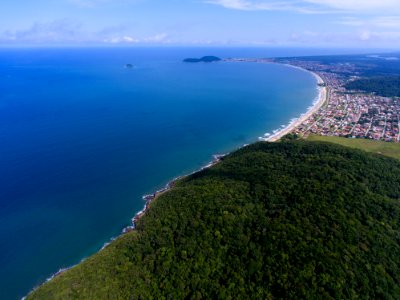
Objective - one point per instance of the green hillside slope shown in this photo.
(374, 146)
(289, 220)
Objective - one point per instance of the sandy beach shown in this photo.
(322, 98)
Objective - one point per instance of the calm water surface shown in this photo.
(83, 138)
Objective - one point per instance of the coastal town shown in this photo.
(347, 113)
(342, 112)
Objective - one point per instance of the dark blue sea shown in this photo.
(83, 138)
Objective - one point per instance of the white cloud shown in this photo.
(68, 32)
(311, 6)
(377, 22)
(388, 38)
(56, 31)
(121, 40)
(162, 37)
(251, 5)
(368, 38)
(156, 39)
(365, 35)
(358, 5)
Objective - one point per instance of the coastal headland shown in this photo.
(335, 112)
(263, 219)
(150, 198)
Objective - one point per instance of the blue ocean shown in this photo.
(83, 138)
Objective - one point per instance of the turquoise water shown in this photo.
(83, 138)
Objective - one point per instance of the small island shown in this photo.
(206, 59)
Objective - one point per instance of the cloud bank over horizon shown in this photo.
(278, 23)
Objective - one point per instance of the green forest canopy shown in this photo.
(382, 86)
(288, 220)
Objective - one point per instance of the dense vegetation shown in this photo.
(289, 220)
(382, 86)
(206, 59)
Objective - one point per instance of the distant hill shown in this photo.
(287, 220)
(203, 59)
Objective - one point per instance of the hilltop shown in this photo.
(287, 220)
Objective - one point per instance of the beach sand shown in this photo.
(322, 98)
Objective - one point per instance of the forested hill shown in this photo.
(288, 220)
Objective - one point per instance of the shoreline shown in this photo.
(323, 98)
(278, 134)
(148, 200)
(320, 101)
(151, 197)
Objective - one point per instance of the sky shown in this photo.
(273, 23)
